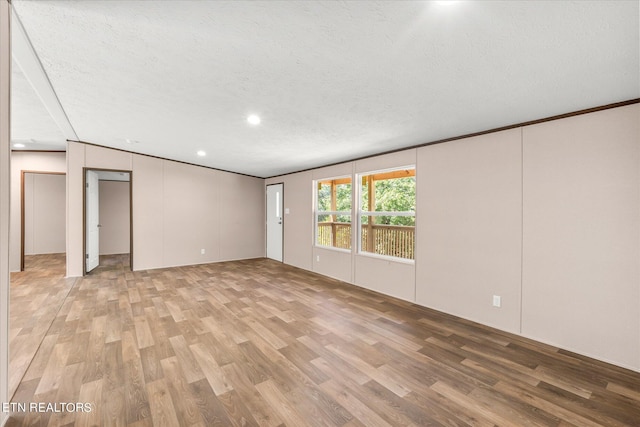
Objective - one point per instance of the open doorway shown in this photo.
(107, 217)
(275, 200)
(43, 222)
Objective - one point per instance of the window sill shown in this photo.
(331, 248)
(387, 258)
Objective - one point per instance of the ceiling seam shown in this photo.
(22, 39)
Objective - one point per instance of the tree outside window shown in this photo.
(333, 212)
(387, 213)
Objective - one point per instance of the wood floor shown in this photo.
(259, 343)
(37, 293)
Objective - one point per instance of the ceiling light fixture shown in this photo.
(18, 145)
(253, 119)
(201, 153)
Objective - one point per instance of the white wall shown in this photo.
(27, 161)
(5, 197)
(469, 237)
(545, 216)
(581, 233)
(178, 210)
(191, 214)
(45, 212)
(114, 217)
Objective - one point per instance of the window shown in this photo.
(333, 212)
(388, 212)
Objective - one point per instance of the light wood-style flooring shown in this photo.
(37, 293)
(257, 342)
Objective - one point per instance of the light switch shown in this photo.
(497, 301)
(286, 211)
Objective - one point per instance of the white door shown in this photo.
(92, 221)
(274, 221)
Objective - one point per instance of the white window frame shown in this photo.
(317, 213)
(360, 213)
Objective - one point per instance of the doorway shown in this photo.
(275, 203)
(43, 214)
(107, 216)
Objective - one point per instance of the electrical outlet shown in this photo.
(497, 301)
(201, 251)
(317, 258)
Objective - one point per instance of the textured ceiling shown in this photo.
(331, 81)
(31, 123)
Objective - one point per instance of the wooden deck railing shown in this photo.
(391, 240)
(335, 234)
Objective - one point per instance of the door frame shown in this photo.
(84, 214)
(266, 240)
(22, 206)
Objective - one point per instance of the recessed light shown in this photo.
(18, 145)
(253, 119)
(131, 141)
(201, 153)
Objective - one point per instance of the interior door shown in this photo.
(274, 221)
(92, 221)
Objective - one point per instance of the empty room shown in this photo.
(319, 213)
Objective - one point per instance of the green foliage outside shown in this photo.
(343, 201)
(392, 195)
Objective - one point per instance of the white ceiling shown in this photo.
(31, 123)
(332, 81)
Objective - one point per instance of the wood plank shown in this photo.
(143, 332)
(188, 364)
(90, 393)
(263, 413)
(358, 408)
(186, 407)
(215, 376)
(285, 409)
(51, 377)
(163, 412)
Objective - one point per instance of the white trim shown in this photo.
(343, 213)
(333, 248)
(28, 61)
(333, 178)
(387, 258)
(387, 213)
(377, 171)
